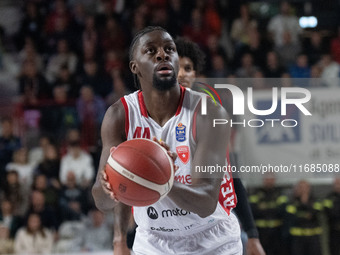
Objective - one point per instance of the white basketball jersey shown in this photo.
(165, 217)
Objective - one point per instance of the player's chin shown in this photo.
(164, 82)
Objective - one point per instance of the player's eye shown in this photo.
(170, 49)
(188, 68)
(150, 50)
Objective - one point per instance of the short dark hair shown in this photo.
(134, 44)
(189, 49)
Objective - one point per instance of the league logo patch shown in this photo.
(183, 153)
(180, 132)
(122, 188)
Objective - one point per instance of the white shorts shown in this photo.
(224, 238)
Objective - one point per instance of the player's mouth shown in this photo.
(164, 69)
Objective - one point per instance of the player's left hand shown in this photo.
(173, 155)
(254, 247)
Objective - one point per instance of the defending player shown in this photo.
(194, 218)
(191, 62)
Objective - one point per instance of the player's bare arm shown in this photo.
(211, 150)
(112, 133)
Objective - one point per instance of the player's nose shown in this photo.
(181, 72)
(162, 55)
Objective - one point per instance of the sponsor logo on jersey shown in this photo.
(163, 229)
(152, 213)
(174, 212)
(180, 132)
(183, 153)
(185, 179)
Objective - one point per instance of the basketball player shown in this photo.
(195, 217)
(191, 62)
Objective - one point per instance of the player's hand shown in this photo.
(173, 155)
(105, 183)
(254, 247)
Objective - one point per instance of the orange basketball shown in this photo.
(140, 172)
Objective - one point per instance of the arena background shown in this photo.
(64, 62)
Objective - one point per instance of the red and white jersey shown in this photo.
(179, 133)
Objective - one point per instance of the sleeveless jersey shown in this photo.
(164, 216)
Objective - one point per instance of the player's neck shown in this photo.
(162, 105)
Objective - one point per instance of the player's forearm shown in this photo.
(102, 201)
(192, 197)
(122, 214)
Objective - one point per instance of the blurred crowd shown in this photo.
(64, 62)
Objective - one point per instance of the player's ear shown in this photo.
(133, 67)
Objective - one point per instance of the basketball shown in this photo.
(140, 172)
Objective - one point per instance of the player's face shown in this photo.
(186, 74)
(156, 60)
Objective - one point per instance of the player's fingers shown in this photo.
(113, 149)
(104, 175)
(173, 155)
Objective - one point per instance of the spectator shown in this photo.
(241, 27)
(70, 237)
(72, 200)
(79, 162)
(46, 214)
(268, 205)
(91, 110)
(119, 89)
(301, 68)
(33, 86)
(257, 47)
(98, 234)
(219, 68)
(315, 48)
(196, 30)
(63, 58)
(8, 219)
(302, 221)
(273, 68)
(50, 166)
(90, 33)
(29, 53)
(285, 21)
(92, 75)
(330, 71)
(31, 25)
(113, 38)
(332, 209)
(14, 192)
(288, 50)
(21, 165)
(67, 80)
(213, 49)
(335, 47)
(247, 69)
(6, 242)
(51, 195)
(33, 238)
(36, 154)
(8, 144)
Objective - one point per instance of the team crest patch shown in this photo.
(180, 132)
(183, 153)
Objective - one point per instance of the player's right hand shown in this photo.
(107, 186)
